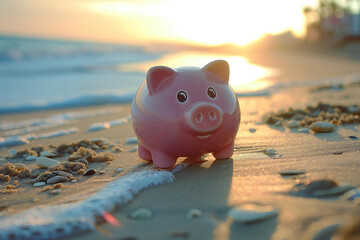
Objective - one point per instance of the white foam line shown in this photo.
(54, 222)
(21, 140)
(106, 125)
(35, 124)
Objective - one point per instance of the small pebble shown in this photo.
(10, 186)
(293, 124)
(322, 127)
(251, 213)
(303, 130)
(12, 151)
(278, 123)
(102, 172)
(291, 172)
(119, 170)
(141, 214)
(81, 171)
(353, 137)
(89, 172)
(270, 151)
(252, 130)
(134, 149)
(58, 185)
(39, 184)
(19, 166)
(74, 181)
(44, 162)
(55, 191)
(352, 195)
(335, 191)
(132, 140)
(31, 158)
(193, 213)
(118, 149)
(62, 173)
(16, 182)
(47, 154)
(57, 179)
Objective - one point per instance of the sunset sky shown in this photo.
(141, 22)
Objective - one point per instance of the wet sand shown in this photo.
(214, 187)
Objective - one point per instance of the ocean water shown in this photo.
(45, 74)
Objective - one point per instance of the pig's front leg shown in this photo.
(225, 152)
(144, 153)
(163, 160)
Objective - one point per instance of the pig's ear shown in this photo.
(156, 76)
(220, 68)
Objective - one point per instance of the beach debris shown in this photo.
(252, 130)
(44, 162)
(89, 172)
(12, 141)
(293, 124)
(24, 173)
(111, 219)
(251, 213)
(320, 188)
(99, 126)
(68, 167)
(353, 137)
(9, 169)
(193, 213)
(56, 179)
(19, 166)
(291, 172)
(335, 114)
(322, 127)
(4, 178)
(141, 214)
(270, 151)
(31, 158)
(119, 170)
(134, 149)
(132, 140)
(90, 155)
(39, 184)
(47, 154)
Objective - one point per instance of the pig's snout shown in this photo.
(203, 117)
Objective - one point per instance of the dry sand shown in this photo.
(214, 187)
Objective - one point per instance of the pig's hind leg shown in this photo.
(225, 152)
(144, 153)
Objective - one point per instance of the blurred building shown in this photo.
(333, 21)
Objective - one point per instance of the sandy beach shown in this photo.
(195, 204)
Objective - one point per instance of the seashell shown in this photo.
(251, 213)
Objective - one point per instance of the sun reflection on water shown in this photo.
(244, 76)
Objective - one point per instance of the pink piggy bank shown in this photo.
(185, 112)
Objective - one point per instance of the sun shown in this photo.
(204, 22)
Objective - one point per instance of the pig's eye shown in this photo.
(181, 96)
(211, 92)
